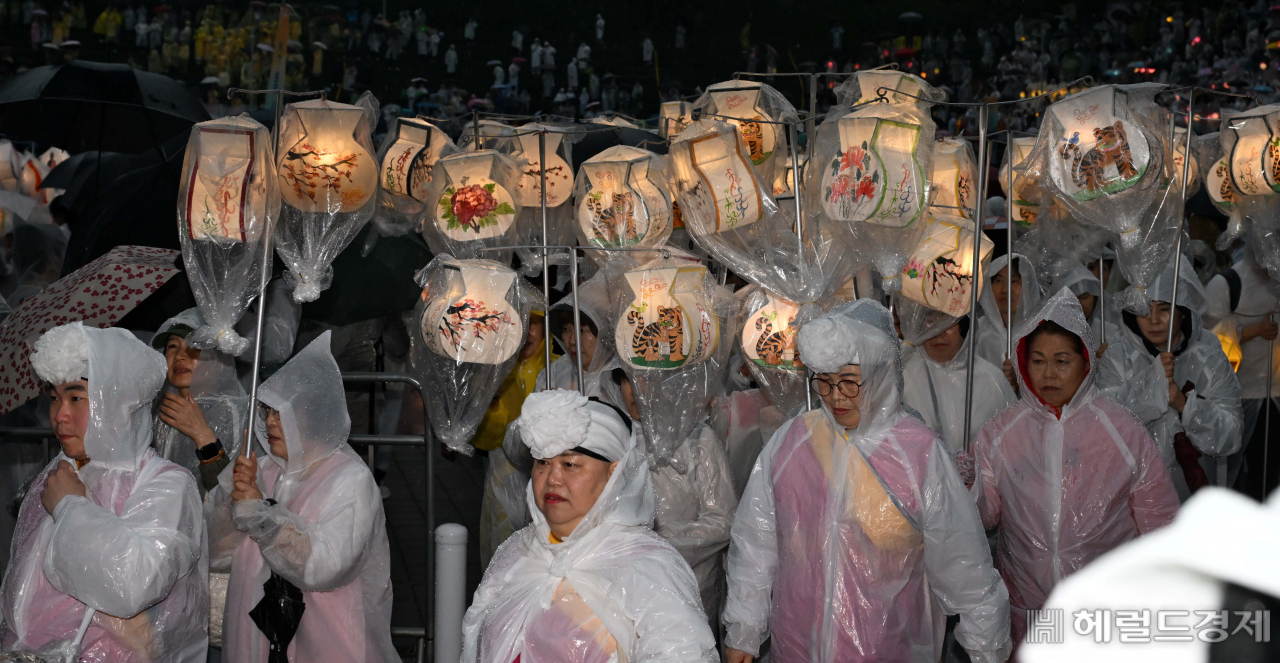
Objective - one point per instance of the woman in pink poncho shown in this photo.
(1065, 473)
(855, 535)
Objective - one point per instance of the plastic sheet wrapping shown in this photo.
(594, 309)
(765, 325)
(503, 511)
(1065, 487)
(1104, 154)
(494, 135)
(1249, 141)
(228, 201)
(328, 179)
(325, 533)
(621, 200)
(940, 271)
(753, 106)
(848, 541)
(1081, 281)
(673, 117)
(1027, 192)
(131, 548)
(407, 157)
(992, 335)
(476, 202)
(469, 327)
(730, 212)
(1130, 373)
(745, 420)
(671, 341)
(216, 390)
(560, 187)
(1215, 172)
(954, 178)
(1060, 244)
(1179, 146)
(279, 327)
(870, 181)
(864, 87)
(613, 590)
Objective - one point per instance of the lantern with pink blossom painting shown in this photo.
(407, 159)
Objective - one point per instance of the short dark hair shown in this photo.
(1055, 329)
(618, 376)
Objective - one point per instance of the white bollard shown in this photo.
(451, 590)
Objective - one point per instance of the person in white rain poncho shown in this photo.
(1088, 291)
(992, 335)
(935, 379)
(587, 581)
(696, 500)
(1189, 399)
(304, 523)
(598, 357)
(109, 546)
(855, 535)
(1066, 473)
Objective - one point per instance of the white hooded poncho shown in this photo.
(133, 548)
(991, 334)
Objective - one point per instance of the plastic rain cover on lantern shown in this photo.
(1103, 153)
(476, 201)
(766, 325)
(939, 273)
(1025, 204)
(864, 87)
(493, 136)
(328, 179)
(674, 117)
(870, 182)
(467, 333)
(1059, 244)
(1179, 151)
(954, 178)
(559, 171)
(1249, 141)
(669, 338)
(621, 201)
(752, 107)
(407, 157)
(227, 202)
(1215, 172)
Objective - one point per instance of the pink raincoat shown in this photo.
(1066, 488)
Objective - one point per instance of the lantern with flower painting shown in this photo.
(1252, 150)
(227, 203)
(530, 144)
(954, 178)
(939, 273)
(473, 204)
(408, 155)
(1025, 203)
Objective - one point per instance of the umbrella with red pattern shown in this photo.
(98, 294)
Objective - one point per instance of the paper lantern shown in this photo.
(740, 100)
(559, 174)
(31, 177)
(939, 273)
(407, 166)
(1098, 152)
(953, 177)
(1218, 181)
(876, 176)
(218, 198)
(473, 204)
(328, 169)
(674, 117)
(622, 201)
(473, 321)
(722, 193)
(864, 86)
(769, 335)
(493, 136)
(1179, 154)
(1254, 157)
(669, 322)
(1025, 207)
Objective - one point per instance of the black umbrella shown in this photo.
(604, 137)
(81, 106)
(278, 615)
(372, 286)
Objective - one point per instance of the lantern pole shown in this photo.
(795, 191)
(1266, 404)
(546, 261)
(979, 208)
(1177, 246)
(1008, 228)
(267, 253)
(577, 322)
(1102, 300)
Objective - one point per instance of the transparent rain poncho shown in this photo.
(870, 179)
(1065, 487)
(407, 158)
(992, 335)
(1081, 281)
(132, 549)
(325, 531)
(228, 200)
(745, 420)
(467, 333)
(730, 211)
(593, 305)
(765, 325)
(1130, 373)
(672, 342)
(751, 106)
(216, 390)
(1060, 243)
(558, 144)
(472, 204)
(328, 178)
(853, 545)
(621, 200)
(612, 591)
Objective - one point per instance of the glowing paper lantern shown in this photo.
(474, 204)
(864, 86)
(1099, 152)
(328, 169)
(559, 173)
(1218, 179)
(622, 200)
(1179, 154)
(473, 321)
(953, 177)
(1025, 203)
(407, 166)
(674, 117)
(722, 193)
(223, 157)
(669, 322)
(876, 176)
(1254, 155)
(939, 273)
(768, 336)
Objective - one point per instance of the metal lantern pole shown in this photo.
(977, 270)
(1266, 415)
(1177, 247)
(1008, 231)
(1102, 301)
(546, 261)
(577, 321)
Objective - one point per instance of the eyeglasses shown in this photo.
(848, 388)
(264, 411)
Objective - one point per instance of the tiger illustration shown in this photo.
(1028, 215)
(1112, 148)
(607, 221)
(1225, 191)
(753, 134)
(771, 344)
(647, 340)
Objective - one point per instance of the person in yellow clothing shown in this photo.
(503, 510)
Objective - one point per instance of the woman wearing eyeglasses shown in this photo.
(855, 536)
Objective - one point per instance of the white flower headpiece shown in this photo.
(62, 354)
